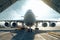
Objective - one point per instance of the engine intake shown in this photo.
(44, 24)
(52, 24)
(14, 24)
(6, 24)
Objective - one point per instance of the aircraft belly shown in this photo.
(29, 21)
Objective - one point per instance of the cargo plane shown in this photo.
(29, 21)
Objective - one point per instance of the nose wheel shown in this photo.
(30, 30)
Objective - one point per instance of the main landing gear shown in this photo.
(36, 26)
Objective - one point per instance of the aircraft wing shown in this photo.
(36, 20)
(53, 4)
(52, 23)
(48, 21)
(12, 20)
(4, 4)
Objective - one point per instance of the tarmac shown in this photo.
(34, 35)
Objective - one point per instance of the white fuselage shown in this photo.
(29, 18)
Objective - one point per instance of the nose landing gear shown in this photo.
(30, 29)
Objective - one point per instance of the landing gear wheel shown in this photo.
(29, 30)
(36, 28)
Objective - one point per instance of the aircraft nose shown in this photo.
(29, 11)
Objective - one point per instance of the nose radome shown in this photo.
(29, 11)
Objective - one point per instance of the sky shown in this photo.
(38, 7)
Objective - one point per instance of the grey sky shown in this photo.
(18, 9)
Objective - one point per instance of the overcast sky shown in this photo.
(19, 8)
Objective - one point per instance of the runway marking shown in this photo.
(47, 37)
(6, 36)
(52, 36)
(2, 33)
(39, 37)
(13, 34)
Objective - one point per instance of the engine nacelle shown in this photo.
(44, 24)
(14, 24)
(52, 24)
(6, 24)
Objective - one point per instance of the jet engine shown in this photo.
(52, 24)
(44, 24)
(6, 24)
(14, 24)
